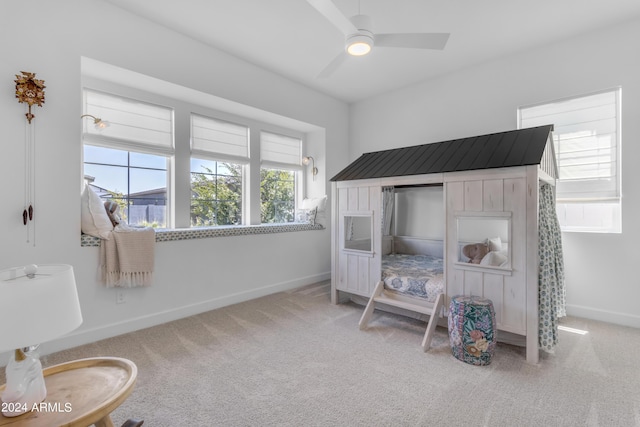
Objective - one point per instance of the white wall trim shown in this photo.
(87, 336)
(622, 319)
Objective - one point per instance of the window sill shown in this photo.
(505, 271)
(169, 235)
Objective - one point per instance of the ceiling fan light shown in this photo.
(358, 48)
(359, 45)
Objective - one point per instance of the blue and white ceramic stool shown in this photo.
(472, 329)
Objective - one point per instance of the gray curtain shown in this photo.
(388, 200)
(551, 290)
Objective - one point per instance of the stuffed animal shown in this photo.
(113, 210)
(475, 252)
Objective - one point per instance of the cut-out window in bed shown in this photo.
(484, 240)
(358, 232)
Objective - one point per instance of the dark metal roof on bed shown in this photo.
(521, 147)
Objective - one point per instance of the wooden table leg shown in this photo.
(104, 422)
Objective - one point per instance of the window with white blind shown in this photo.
(219, 139)
(219, 151)
(133, 124)
(170, 163)
(281, 163)
(127, 162)
(587, 145)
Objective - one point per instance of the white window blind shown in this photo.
(586, 141)
(219, 140)
(133, 125)
(280, 151)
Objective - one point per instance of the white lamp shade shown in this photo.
(37, 309)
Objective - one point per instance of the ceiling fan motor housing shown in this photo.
(360, 42)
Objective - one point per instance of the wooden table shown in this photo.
(81, 393)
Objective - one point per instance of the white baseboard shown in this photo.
(87, 336)
(622, 319)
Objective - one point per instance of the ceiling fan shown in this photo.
(360, 38)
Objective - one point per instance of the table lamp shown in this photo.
(37, 304)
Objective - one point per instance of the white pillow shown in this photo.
(319, 204)
(494, 243)
(94, 220)
(495, 259)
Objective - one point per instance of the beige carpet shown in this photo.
(293, 359)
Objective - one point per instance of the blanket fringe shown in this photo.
(118, 279)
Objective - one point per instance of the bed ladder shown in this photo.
(433, 311)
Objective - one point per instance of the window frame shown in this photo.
(217, 200)
(602, 211)
(95, 138)
(127, 199)
(296, 187)
(215, 139)
(178, 166)
(288, 158)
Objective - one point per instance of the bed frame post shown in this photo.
(532, 265)
(335, 295)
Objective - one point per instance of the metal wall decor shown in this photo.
(30, 91)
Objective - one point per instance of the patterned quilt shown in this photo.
(415, 275)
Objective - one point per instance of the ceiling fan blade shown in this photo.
(333, 65)
(413, 40)
(333, 14)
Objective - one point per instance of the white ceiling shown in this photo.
(291, 38)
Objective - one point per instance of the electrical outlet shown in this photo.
(120, 297)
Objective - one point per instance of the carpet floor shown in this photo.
(294, 359)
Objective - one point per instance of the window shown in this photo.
(170, 163)
(587, 145)
(216, 193)
(219, 151)
(133, 180)
(483, 240)
(280, 158)
(277, 195)
(358, 231)
(127, 162)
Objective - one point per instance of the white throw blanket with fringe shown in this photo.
(127, 257)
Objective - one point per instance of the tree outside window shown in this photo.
(216, 193)
(277, 195)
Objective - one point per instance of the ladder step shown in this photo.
(402, 304)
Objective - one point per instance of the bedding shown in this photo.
(418, 276)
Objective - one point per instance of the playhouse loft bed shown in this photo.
(489, 195)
